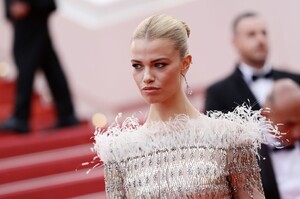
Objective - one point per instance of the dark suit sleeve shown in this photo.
(213, 100)
(283, 74)
(296, 78)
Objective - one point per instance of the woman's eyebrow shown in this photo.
(156, 60)
(160, 59)
(134, 60)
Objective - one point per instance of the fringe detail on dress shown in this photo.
(243, 126)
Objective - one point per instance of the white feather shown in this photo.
(243, 126)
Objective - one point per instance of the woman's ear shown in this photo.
(186, 62)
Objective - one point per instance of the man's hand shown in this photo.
(19, 10)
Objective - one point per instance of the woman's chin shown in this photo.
(150, 100)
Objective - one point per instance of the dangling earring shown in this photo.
(189, 90)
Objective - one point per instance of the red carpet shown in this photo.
(46, 163)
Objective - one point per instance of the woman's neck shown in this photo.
(168, 110)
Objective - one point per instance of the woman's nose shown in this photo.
(148, 76)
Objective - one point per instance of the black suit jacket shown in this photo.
(38, 8)
(232, 91)
(31, 34)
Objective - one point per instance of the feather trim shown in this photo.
(243, 126)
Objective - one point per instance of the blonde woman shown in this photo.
(178, 152)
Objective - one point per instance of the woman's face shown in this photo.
(157, 69)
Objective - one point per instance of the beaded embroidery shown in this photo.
(206, 157)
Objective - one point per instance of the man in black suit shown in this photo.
(283, 104)
(33, 50)
(250, 82)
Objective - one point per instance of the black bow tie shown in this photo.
(266, 76)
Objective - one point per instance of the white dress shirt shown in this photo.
(286, 163)
(262, 86)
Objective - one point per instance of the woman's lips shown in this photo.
(150, 90)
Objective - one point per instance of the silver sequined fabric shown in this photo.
(185, 172)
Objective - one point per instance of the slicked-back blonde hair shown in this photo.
(164, 27)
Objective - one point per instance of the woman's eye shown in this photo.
(137, 66)
(160, 65)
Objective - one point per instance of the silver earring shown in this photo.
(189, 90)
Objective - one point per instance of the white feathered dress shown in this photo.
(204, 157)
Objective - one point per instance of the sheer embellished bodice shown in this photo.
(186, 172)
(182, 158)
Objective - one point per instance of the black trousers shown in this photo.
(33, 50)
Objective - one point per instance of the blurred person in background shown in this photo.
(33, 50)
(250, 82)
(283, 108)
